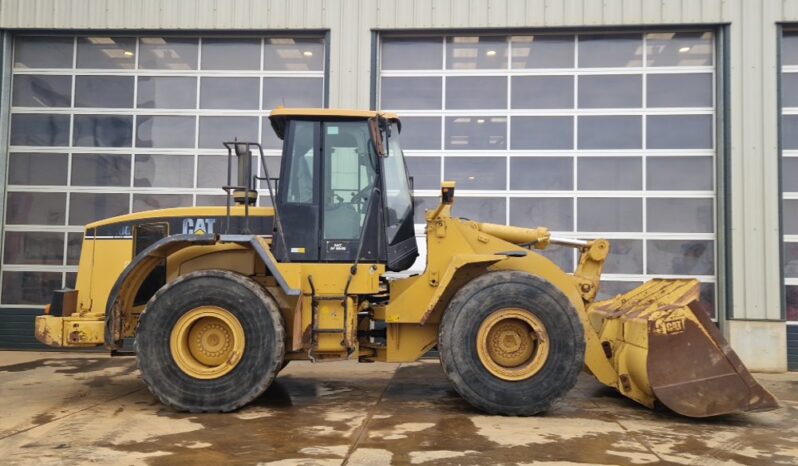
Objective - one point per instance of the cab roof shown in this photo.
(279, 115)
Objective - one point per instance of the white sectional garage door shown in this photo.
(591, 134)
(789, 183)
(106, 125)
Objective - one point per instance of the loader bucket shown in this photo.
(665, 349)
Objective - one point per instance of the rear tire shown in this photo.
(525, 301)
(180, 375)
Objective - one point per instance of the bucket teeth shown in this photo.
(666, 349)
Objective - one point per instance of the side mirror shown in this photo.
(376, 137)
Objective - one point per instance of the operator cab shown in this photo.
(344, 194)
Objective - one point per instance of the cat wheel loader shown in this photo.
(218, 299)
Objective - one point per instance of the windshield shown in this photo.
(398, 202)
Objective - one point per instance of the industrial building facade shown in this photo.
(669, 127)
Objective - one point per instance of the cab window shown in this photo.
(350, 173)
(299, 183)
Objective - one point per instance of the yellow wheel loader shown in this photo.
(219, 299)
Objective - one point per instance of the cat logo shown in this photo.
(200, 226)
(672, 323)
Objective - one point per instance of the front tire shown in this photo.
(511, 343)
(210, 341)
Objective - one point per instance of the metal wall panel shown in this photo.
(754, 168)
(16, 327)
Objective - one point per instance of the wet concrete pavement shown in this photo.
(67, 408)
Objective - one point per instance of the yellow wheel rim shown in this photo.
(512, 344)
(207, 342)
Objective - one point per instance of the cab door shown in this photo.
(298, 196)
(351, 206)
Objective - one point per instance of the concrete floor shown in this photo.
(61, 408)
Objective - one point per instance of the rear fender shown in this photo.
(120, 301)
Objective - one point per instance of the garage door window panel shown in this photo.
(476, 52)
(677, 215)
(165, 131)
(168, 53)
(792, 302)
(164, 171)
(610, 50)
(175, 92)
(555, 213)
(791, 259)
(292, 92)
(293, 54)
(37, 169)
(411, 53)
(610, 132)
(425, 171)
(104, 91)
(215, 130)
(26, 287)
(421, 133)
(31, 90)
(476, 172)
(680, 257)
(680, 173)
(88, 207)
(212, 200)
(789, 90)
(229, 93)
(142, 202)
(102, 52)
(212, 171)
(33, 248)
(103, 131)
(789, 132)
(790, 216)
(39, 130)
(542, 51)
(484, 209)
(476, 133)
(540, 92)
(230, 54)
(610, 91)
(679, 132)
(542, 133)
(626, 257)
(690, 48)
(411, 93)
(679, 90)
(542, 173)
(100, 170)
(43, 52)
(476, 92)
(610, 215)
(32, 208)
(610, 173)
